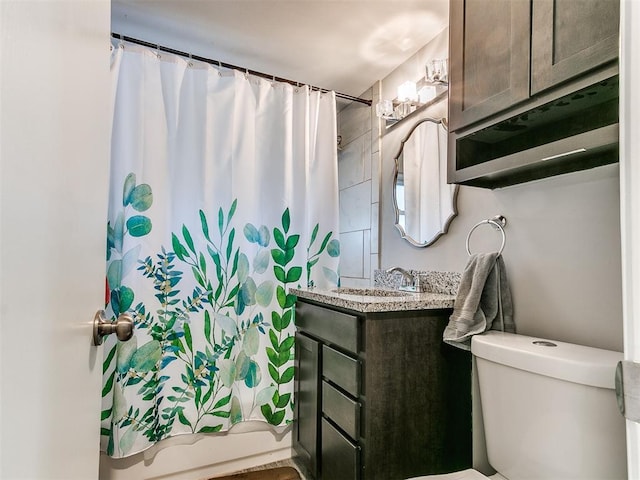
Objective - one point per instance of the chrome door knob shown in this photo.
(122, 327)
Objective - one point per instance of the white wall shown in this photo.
(562, 251)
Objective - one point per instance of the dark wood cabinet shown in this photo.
(504, 51)
(570, 38)
(306, 427)
(488, 59)
(530, 89)
(391, 400)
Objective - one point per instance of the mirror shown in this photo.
(425, 204)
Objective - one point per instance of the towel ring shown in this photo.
(498, 222)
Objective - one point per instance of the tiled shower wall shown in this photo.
(359, 183)
(359, 169)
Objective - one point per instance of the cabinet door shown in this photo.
(571, 37)
(306, 435)
(340, 456)
(489, 58)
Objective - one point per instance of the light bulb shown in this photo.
(427, 93)
(407, 91)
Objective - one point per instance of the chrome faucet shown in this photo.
(409, 283)
(406, 275)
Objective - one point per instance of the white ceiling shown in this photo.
(341, 45)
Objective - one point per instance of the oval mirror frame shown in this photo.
(444, 227)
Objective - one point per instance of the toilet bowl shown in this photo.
(549, 410)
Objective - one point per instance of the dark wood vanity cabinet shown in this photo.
(307, 401)
(378, 395)
(519, 79)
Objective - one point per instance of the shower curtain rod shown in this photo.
(344, 96)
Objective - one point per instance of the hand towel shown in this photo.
(483, 301)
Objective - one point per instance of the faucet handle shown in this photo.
(407, 280)
(422, 282)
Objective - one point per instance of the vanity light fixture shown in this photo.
(412, 95)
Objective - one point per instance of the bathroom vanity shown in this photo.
(378, 394)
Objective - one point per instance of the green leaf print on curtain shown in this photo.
(214, 338)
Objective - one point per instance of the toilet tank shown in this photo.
(549, 408)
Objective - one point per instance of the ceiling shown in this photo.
(341, 45)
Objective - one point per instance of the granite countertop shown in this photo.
(383, 300)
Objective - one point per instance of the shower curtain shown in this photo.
(223, 195)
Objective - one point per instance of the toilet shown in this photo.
(549, 410)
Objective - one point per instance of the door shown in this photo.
(630, 201)
(54, 148)
(571, 37)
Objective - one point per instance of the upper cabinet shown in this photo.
(571, 37)
(522, 73)
(489, 58)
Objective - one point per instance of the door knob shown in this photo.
(123, 327)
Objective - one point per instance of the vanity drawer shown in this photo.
(341, 369)
(341, 409)
(338, 328)
(340, 457)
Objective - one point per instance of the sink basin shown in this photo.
(370, 292)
